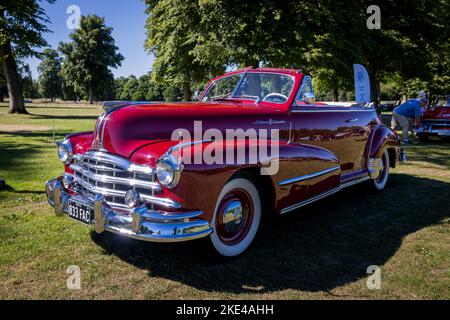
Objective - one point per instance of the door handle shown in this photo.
(352, 120)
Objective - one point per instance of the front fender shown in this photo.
(201, 182)
(80, 142)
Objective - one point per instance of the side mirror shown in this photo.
(309, 98)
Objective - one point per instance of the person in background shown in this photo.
(411, 109)
(422, 94)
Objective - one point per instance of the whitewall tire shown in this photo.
(236, 217)
(379, 183)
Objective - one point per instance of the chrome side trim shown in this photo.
(307, 176)
(323, 195)
(186, 144)
(109, 179)
(311, 200)
(353, 182)
(101, 123)
(105, 120)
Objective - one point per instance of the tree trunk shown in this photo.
(91, 94)
(13, 82)
(335, 94)
(186, 90)
(379, 89)
(374, 87)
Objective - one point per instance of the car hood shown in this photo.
(123, 130)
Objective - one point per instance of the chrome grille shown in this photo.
(112, 176)
(437, 124)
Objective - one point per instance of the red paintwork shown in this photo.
(312, 138)
(437, 113)
(81, 142)
(146, 123)
(436, 119)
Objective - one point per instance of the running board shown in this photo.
(323, 195)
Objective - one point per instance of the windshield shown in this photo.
(443, 102)
(268, 87)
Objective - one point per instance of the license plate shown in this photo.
(444, 133)
(80, 212)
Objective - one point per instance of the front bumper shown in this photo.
(142, 223)
(434, 132)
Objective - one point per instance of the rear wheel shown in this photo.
(379, 183)
(236, 218)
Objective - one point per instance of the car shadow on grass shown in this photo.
(322, 246)
(14, 149)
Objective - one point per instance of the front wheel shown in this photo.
(236, 218)
(379, 183)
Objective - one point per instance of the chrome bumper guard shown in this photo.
(141, 224)
(439, 132)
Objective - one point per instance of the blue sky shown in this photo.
(127, 17)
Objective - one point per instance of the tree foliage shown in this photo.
(50, 80)
(88, 57)
(323, 38)
(29, 86)
(183, 43)
(22, 24)
(145, 88)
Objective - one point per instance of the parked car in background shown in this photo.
(435, 121)
(131, 176)
(387, 106)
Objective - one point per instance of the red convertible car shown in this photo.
(170, 172)
(435, 121)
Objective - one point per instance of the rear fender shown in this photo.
(382, 138)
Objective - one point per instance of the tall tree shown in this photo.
(179, 39)
(3, 89)
(29, 86)
(22, 23)
(50, 81)
(88, 57)
(407, 44)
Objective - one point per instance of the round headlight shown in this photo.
(65, 152)
(168, 171)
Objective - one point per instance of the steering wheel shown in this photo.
(275, 95)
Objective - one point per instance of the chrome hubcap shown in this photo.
(233, 215)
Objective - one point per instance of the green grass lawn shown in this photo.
(322, 251)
